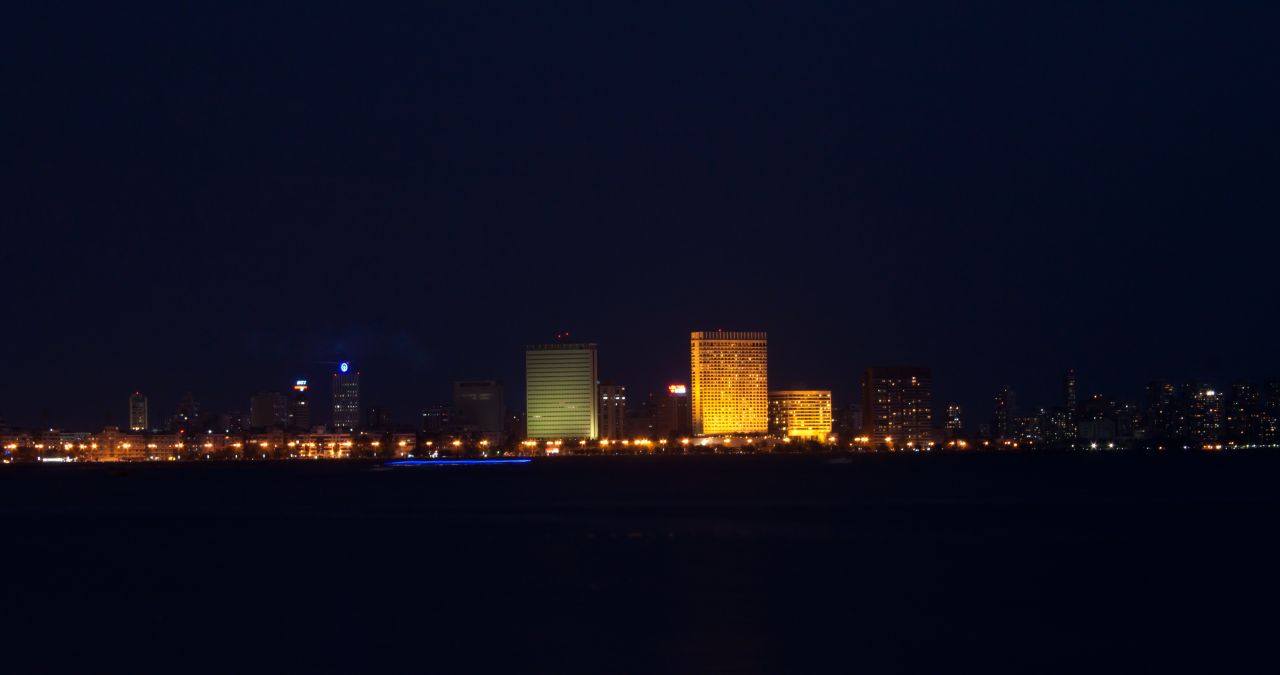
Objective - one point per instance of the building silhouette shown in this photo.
(267, 410)
(438, 420)
(673, 418)
(187, 415)
(1003, 419)
(1069, 389)
(480, 407)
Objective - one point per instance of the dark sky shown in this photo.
(218, 197)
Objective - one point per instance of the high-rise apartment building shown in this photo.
(897, 403)
(139, 418)
(954, 423)
(800, 413)
(730, 382)
(1204, 418)
(346, 398)
(560, 391)
(613, 410)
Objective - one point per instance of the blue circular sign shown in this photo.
(344, 366)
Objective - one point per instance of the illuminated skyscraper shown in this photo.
(613, 411)
(346, 398)
(897, 403)
(730, 378)
(139, 419)
(560, 391)
(800, 413)
(299, 407)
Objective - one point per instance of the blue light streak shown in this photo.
(456, 462)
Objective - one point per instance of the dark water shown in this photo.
(699, 564)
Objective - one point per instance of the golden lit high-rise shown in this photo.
(730, 378)
(800, 413)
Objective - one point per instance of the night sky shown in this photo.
(221, 197)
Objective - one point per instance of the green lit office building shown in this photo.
(560, 391)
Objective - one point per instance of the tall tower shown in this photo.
(560, 391)
(730, 378)
(1069, 390)
(346, 398)
(299, 407)
(139, 419)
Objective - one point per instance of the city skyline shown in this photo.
(895, 405)
(1103, 213)
(639, 337)
(978, 404)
